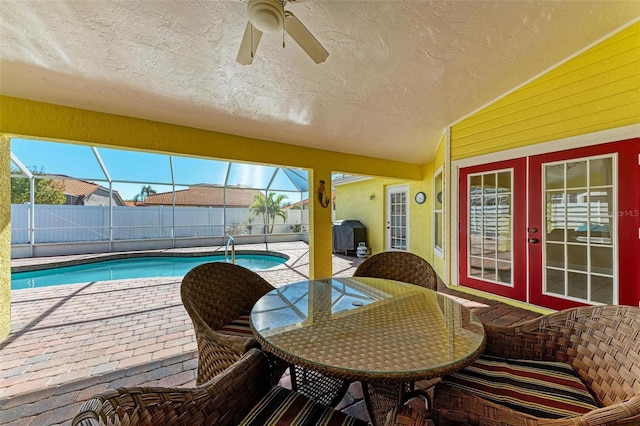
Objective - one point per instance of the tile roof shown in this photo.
(78, 187)
(205, 195)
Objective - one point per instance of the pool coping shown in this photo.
(57, 262)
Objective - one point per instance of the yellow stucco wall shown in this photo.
(21, 117)
(353, 202)
(439, 157)
(598, 89)
(5, 238)
(439, 261)
(421, 216)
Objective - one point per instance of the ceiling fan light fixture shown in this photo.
(266, 15)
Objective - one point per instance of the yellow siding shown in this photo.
(597, 90)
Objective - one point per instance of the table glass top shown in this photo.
(374, 326)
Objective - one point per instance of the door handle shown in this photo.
(533, 240)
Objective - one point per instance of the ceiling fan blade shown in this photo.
(304, 38)
(249, 44)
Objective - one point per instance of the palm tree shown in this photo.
(145, 191)
(270, 207)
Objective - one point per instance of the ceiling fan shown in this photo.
(270, 16)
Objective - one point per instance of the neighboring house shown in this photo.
(204, 195)
(84, 193)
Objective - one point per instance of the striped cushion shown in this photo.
(543, 389)
(283, 407)
(238, 327)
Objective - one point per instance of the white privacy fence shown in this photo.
(69, 223)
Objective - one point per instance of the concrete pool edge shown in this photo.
(57, 262)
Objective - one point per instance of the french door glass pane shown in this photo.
(579, 221)
(490, 226)
(398, 220)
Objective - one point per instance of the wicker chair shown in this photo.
(601, 344)
(215, 294)
(219, 294)
(399, 266)
(242, 394)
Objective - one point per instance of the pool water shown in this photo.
(141, 267)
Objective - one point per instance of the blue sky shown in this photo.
(130, 170)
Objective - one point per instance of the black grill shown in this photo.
(347, 234)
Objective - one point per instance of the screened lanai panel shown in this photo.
(55, 158)
(284, 181)
(250, 175)
(193, 171)
(128, 191)
(262, 177)
(137, 166)
(300, 178)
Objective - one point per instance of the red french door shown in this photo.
(492, 228)
(558, 230)
(584, 217)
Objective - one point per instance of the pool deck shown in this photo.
(70, 342)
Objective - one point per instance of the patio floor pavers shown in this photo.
(71, 342)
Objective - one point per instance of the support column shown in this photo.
(5, 237)
(320, 240)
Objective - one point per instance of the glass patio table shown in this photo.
(380, 332)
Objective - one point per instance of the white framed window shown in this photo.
(438, 218)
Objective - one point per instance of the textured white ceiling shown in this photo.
(397, 74)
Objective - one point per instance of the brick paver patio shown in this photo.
(73, 341)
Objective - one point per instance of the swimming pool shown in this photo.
(139, 267)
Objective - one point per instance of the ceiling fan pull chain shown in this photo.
(283, 36)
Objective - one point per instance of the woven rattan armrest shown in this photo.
(224, 400)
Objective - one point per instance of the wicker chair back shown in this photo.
(399, 266)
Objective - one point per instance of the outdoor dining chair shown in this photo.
(580, 366)
(399, 266)
(218, 297)
(240, 395)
